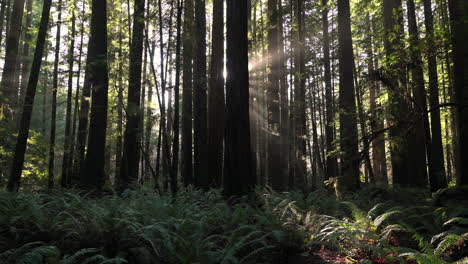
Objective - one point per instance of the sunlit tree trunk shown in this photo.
(67, 158)
(53, 125)
(273, 106)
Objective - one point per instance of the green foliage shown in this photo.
(142, 227)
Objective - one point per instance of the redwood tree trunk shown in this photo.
(216, 97)
(238, 167)
(94, 175)
(349, 178)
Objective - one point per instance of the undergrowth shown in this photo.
(370, 226)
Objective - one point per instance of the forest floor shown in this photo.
(374, 225)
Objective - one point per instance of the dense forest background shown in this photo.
(297, 103)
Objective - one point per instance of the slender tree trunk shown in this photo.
(120, 102)
(74, 160)
(94, 173)
(23, 132)
(284, 104)
(53, 125)
(67, 158)
(175, 148)
(238, 170)
(331, 159)
(376, 123)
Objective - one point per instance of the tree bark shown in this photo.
(349, 178)
(437, 177)
(458, 16)
(238, 169)
(67, 158)
(200, 100)
(132, 136)
(94, 175)
(53, 125)
(216, 97)
(23, 132)
(7, 87)
(420, 133)
(187, 160)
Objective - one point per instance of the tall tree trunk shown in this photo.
(398, 108)
(420, 134)
(199, 103)
(129, 166)
(120, 102)
(273, 107)
(216, 97)
(53, 125)
(175, 148)
(238, 168)
(349, 178)
(284, 103)
(67, 158)
(376, 123)
(331, 159)
(23, 132)
(187, 55)
(74, 159)
(458, 16)
(299, 98)
(94, 175)
(7, 87)
(437, 177)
